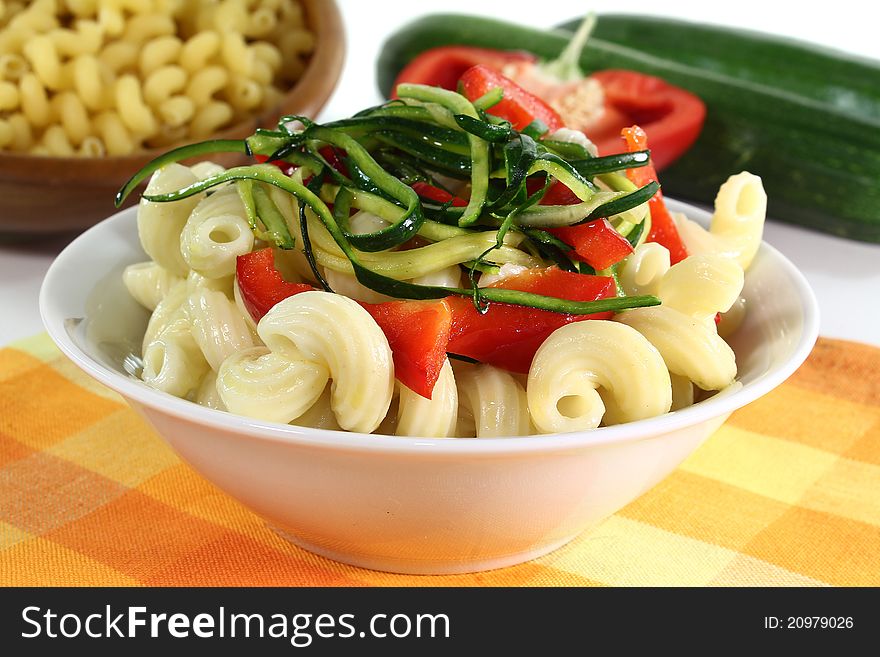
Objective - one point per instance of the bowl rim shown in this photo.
(333, 440)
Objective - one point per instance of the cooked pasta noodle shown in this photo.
(207, 394)
(239, 303)
(432, 418)
(160, 224)
(689, 347)
(494, 399)
(642, 271)
(577, 360)
(348, 285)
(702, 285)
(225, 284)
(168, 312)
(215, 233)
(173, 361)
(148, 283)
(206, 169)
(320, 415)
(446, 277)
(733, 318)
(737, 224)
(270, 386)
(217, 326)
(335, 331)
(682, 391)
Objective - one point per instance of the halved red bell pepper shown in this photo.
(673, 117)
(663, 229)
(508, 336)
(596, 243)
(417, 332)
(444, 66)
(517, 106)
(261, 284)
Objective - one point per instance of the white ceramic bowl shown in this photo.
(414, 505)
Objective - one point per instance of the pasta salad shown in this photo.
(423, 268)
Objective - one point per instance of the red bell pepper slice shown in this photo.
(596, 243)
(417, 332)
(444, 66)
(261, 284)
(663, 229)
(672, 116)
(432, 193)
(556, 194)
(517, 106)
(334, 157)
(508, 336)
(559, 194)
(286, 167)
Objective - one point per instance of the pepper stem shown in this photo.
(565, 67)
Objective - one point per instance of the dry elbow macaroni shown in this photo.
(89, 78)
(319, 359)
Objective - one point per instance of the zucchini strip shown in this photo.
(383, 284)
(602, 204)
(176, 155)
(408, 224)
(458, 104)
(271, 218)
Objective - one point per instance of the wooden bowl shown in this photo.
(40, 195)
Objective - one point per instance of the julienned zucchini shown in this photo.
(805, 119)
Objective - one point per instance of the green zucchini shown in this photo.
(848, 83)
(771, 109)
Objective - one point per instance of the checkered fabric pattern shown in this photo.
(787, 492)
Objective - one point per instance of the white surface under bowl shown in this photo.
(413, 505)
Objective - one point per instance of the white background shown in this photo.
(844, 274)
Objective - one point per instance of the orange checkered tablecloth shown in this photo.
(787, 492)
